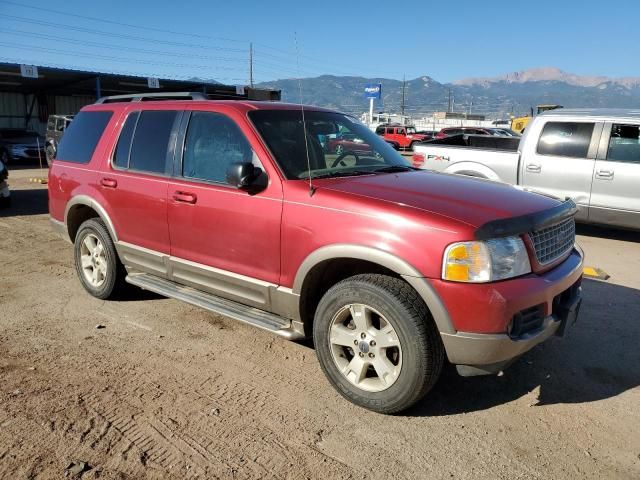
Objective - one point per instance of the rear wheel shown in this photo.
(377, 343)
(97, 263)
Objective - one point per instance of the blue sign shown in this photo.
(373, 91)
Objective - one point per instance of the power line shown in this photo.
(129, 25)
(118, 35)
(115, 47)
(105, 57)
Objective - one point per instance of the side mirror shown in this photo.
(242, 175)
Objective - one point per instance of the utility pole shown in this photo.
(251, 64)
(402, 105)
(449, 108)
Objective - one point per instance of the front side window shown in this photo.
(213, 143)
(565, 139)
(349, 148)
(151, 141)
(624, 143)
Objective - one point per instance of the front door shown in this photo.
(615, 195)
(223, 240)
(561, 162)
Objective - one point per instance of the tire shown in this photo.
(412, 367)
(104, 261)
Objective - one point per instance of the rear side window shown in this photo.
(123, 149)
(81, 137)
(151, 141)
(565, 139)
(624, 144)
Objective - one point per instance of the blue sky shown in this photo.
(210, 39)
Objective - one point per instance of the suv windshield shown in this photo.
(337, 144)
(411, 130)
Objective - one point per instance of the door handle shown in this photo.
(109, 183)
(604, 174)
(185, 197)
(534, 168)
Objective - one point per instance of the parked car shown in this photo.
(503, 132)
(347, 142)
(234, 206)
(56, 125)
(592, 156)
(404, 136)
(20, 145)
(450, 131)
(5, 194)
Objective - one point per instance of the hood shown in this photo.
(470, 200)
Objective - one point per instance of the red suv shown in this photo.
(401, 135)
(234, 206)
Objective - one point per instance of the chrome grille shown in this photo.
(553, 242)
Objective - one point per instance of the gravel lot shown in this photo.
(165, 390)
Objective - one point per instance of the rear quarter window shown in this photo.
(565, 139)
(81, 137)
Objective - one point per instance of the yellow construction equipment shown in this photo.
(520, 123)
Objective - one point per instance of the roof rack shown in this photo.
(141, 97)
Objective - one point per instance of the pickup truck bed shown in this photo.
(494, 158)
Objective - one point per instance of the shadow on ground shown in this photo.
(598, 359)
(27, 202)
(608, 232)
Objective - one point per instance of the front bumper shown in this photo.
(481, 342)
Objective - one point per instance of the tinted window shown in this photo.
(80, 139)
(565, 139)
(213, 143)
(151, 141)
(380, 131)
(121, 157)
(624, 144)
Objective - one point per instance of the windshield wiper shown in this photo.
(347, 173)
(395, 169)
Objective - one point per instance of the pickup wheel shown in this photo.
(97, 262)
(377, 343)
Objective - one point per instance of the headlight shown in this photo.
(487, 261)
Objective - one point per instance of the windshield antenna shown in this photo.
(312, 189)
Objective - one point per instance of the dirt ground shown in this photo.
(165, 390)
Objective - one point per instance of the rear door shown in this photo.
(562, 160)
(615, 195)
(135, 186)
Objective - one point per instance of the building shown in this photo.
(30, 93)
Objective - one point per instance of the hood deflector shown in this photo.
(506, 227)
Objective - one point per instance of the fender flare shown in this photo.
(385, 259)
(90, 202)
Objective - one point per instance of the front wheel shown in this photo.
(377, 343)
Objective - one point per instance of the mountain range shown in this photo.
(513, 93)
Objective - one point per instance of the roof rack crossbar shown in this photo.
(139, 97)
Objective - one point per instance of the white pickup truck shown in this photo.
(592, 156)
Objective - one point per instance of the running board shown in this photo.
(250, 315)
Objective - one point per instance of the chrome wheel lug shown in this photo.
(361, 354)
(363, 335)
(372, 343)
(355, 342)
(371, 355)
